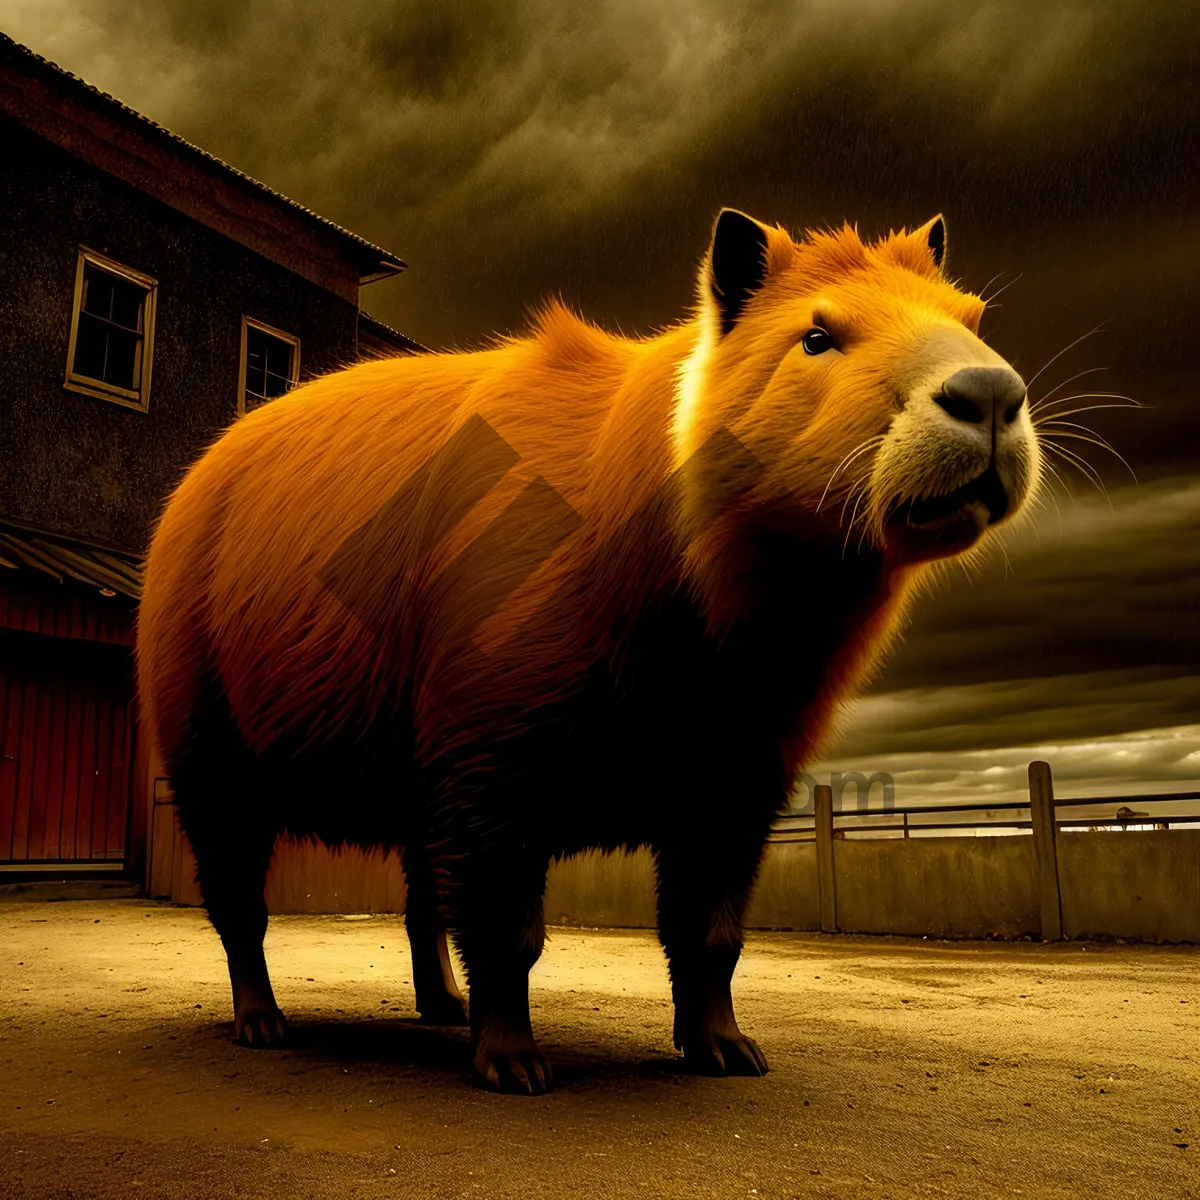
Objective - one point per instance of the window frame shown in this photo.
(139, 398)
(271, 331)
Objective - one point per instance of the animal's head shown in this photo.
(855, 375)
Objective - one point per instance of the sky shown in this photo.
(517, 149)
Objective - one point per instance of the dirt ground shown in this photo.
(899, 1068)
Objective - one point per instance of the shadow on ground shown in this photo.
(898, 1068)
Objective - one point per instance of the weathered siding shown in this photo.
(85, 466)
(32, 603)
(66, 750)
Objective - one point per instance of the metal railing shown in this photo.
(801, 827)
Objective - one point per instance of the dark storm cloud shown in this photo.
(508, 150)
(1092, 585)
(1142, 762)
(1080, 647)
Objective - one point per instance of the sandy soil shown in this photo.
(899, 1069)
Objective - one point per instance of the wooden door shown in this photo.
(66, 738)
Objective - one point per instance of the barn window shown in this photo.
(270, 364)
(112, 331)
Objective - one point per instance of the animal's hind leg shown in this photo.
(439, 1000)
(232, 842)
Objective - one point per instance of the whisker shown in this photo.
(1009, 569)
(1095, 395)
(860, 484)
(1094, 439)
(853, 518)
(1069, 379)
(862, 449)
(1071, 457)
(1054, 499)
(862, 537)
(1038, 501)
(1063, 484)
(1004, 289)
(1130, 401)
(889, 510)
(1083, 464)
(989, 284)
(1071, 412)
(1092, 436)
(867, 527)
(1070, 346)
(1046, 495)
(974, 560)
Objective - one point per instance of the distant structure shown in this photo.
(149, 295)
(1126, 819)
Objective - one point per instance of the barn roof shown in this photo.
(375, 336)
(109, 571)
(35, 106)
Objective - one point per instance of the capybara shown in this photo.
(572, 590)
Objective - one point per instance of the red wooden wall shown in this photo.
(66, 724)
(40, 605)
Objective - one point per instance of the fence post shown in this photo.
(826, 881)
(1045, 849)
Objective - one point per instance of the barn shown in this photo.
(149, 295)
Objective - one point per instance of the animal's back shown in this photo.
(239, 597)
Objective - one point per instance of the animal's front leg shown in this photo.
(702, 896)
(499, 928)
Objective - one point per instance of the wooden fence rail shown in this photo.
(825, 827)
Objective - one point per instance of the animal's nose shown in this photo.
(978, 394)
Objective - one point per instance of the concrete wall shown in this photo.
(305, 877)
(955, 887)
(1131, 884)
(786, 896)
(1139, 886)
(609, 890)
(617, 890)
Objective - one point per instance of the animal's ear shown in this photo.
(933, 234)
(736, 264)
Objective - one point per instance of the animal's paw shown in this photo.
(261, 1028)
(723, 1054)
(520, 1071)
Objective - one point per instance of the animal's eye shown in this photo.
(816, 341)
